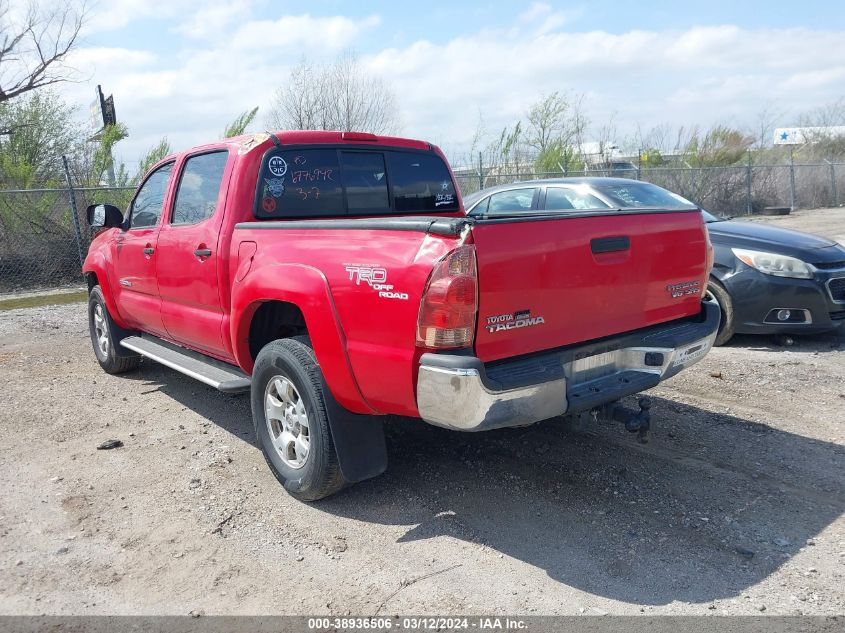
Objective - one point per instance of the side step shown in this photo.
(212, 372)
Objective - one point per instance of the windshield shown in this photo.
(642, 194)
(709, 217)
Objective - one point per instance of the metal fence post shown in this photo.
(833, 196)
(74, 213)
(749, 207)
(480, 173)
(791, 179)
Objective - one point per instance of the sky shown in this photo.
(185, 68)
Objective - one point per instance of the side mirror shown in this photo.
(104, 216)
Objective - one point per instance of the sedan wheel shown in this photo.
(716, 292)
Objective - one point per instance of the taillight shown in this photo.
(710, 256)
(450, 302)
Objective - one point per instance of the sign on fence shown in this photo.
(805, 135)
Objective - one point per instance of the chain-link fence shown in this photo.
(734, 190)
(44, 235)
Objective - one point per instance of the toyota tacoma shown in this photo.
(338, 278)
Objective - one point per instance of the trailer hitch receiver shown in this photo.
(638, 422)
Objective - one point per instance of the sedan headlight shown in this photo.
(774, 264)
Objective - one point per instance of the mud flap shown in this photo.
(358, 440)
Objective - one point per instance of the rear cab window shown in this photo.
(342, 181)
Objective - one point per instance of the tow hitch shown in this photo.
(638, 422)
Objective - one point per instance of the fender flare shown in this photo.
(95, 263)
(307, 288)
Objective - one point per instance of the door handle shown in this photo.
(610, 244)
(149, 250)
(203, 252)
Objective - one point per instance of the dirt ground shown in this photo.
(734, 507)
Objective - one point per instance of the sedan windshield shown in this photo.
(642, 194)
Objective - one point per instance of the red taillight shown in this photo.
(450, 302)
(710, 257)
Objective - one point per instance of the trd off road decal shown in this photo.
(504, 322)
(376, 278)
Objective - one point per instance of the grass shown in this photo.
(59, 298)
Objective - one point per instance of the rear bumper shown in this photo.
(462, 393)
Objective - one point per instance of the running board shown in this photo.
(212, 372)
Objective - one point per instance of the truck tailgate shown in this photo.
(546, 282)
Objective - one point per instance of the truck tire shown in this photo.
(106, 336)
(291, 419)
(726, 323)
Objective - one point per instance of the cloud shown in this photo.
(544, 20)
(693, 76)
(110, 58)
(230, 62)
(535, 11)
(112, 15)
(213, 19)
(302, 31)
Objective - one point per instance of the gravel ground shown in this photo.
(734, 506)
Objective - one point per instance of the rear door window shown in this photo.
(567, 199)
(199, 188)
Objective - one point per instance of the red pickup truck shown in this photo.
(337, 277)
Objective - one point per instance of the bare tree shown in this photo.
(827, 141)
(555, 120)
(828, 115)
(767, 119)
(35, 44)
(337, 96)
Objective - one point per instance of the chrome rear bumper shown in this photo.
(462, 393)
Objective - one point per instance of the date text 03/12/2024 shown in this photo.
(433, 623)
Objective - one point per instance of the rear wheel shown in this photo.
(291, 419)
(717, 292)
(106, 335)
